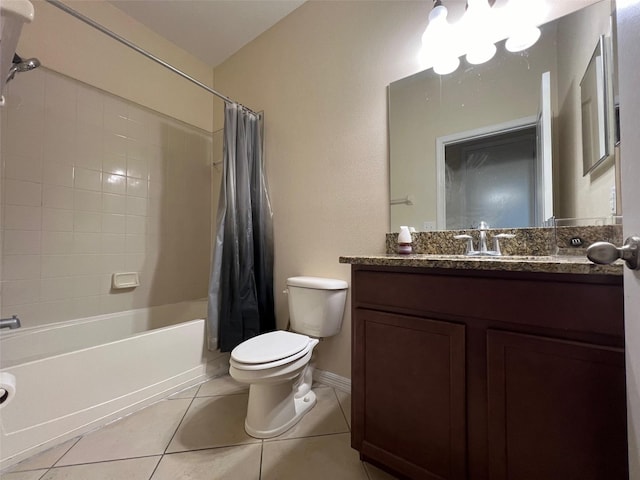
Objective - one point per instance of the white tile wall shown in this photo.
(25, 242)
(55, 220)
(19, 217)
(92, 185)
(27, 168)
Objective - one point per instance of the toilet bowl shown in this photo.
(279, 388)
(276, 365)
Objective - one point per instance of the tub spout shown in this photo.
(11, 323)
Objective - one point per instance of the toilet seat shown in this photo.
(270, 350)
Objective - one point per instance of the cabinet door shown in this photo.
(409, 394)
(556, 409)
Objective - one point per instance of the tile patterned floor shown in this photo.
(199, 434)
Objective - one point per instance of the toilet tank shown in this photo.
(316, 305)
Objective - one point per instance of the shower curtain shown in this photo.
(241, 285)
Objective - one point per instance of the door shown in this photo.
(411, 415)
(544, 182)
(570, 394)
(628, 24)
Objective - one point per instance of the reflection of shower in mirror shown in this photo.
(491, 178)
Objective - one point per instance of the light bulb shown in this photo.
(523, 39)
(523, 17)
(437, 43)
(446, 65)
(437, 24)
(481, 52)
(478, 22)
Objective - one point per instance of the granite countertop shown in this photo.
(514, 263)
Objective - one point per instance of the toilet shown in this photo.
(276, 365)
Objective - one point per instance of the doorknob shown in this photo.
(605, 252)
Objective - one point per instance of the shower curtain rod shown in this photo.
(133, 46)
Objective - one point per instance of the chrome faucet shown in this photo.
(482, 246)
(482, 243)
(10, 323)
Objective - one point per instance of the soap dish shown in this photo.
(125, 280)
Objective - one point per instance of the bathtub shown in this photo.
(72, 377)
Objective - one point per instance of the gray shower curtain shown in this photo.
(241, 285)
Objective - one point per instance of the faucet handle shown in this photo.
(496, 241)
(469, 240)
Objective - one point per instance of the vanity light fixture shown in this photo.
(475, 33)
(438, 42)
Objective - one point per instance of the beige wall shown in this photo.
(321, 76)
(581, 196)
(66, 45)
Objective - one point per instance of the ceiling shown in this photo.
(211, 30)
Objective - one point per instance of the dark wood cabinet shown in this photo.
(555, 409)
(404, 353)
(488, 375)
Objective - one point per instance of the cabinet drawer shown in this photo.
(581, 306)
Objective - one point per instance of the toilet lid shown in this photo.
(270, 347)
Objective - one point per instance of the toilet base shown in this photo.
(274, 409)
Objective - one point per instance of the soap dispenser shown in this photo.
(404, 241)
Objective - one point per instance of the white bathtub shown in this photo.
(72, 377)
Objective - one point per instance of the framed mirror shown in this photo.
(430, 114)
(596, 106)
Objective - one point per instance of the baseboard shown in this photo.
(332, 380)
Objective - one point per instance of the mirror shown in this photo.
(596, 117)
(430, 115)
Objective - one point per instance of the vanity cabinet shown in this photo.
(466, 374)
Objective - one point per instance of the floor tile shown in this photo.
(376, 474)
(187, 393)
(324, 418)
(222, 386)
(345, 402)
(45, 459)
(32, 475)
(146, 432)
(240, 462)
(131, 469)
(316, 458)
(213, 422)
